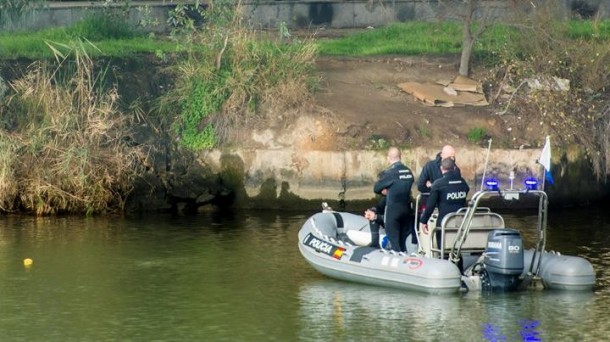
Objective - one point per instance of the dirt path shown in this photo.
(362, 97)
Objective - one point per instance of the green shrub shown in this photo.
(232, 75)
(378, 142)
(423, 131)
(476, 134)
(100, 27)
(203, 101)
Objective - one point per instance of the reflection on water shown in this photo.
(345, 311)
(239, 277)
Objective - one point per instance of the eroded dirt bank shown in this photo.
(333, 148)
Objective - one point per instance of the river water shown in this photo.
(239, 277)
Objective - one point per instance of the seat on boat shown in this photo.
(483, 222)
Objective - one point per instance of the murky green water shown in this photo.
(240, 277)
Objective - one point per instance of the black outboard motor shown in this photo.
(504, 259)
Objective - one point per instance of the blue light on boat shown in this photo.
(492, 184)
(531, 183)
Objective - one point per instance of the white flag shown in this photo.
(545, 159)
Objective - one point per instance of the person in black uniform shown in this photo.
(447, 193)
(432, 171)
(394, 184)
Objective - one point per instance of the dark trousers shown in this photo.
(374, 227)
(397, 227)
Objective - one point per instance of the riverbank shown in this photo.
(229, 133)
(332, 148)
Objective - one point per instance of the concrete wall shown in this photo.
(362, 13)
(350, 175)
(59, 14)
(267, 13)
(325, 174)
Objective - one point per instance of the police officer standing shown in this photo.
(432, 171)
(447, 193)
(395, 184)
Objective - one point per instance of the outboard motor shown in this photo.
(503, 259)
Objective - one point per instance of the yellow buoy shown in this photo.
(28, 262)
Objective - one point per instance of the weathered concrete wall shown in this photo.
(60, 14)
(349, 176)
(267, 13)
(363, 13)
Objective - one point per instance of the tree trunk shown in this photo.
(467, 43)
(465, 59)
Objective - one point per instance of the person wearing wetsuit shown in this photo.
(447, 193)
(395, 184)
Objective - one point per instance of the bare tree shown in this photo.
(476, 17)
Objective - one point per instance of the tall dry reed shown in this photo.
(68, 139)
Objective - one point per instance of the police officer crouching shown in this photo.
(447, 193)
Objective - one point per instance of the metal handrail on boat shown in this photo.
(416, 223)
(494, 221)
(508, 194)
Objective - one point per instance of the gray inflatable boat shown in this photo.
(477, 252)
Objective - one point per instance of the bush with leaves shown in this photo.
(557, 82)
(232, 75)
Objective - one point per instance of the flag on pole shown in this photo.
(545, 160)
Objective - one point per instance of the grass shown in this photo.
(423, 131)
(115, 39)
(427, 38)
(476, 134)
(414, 38)
(32, 45)
(110, 34)
(599, 30)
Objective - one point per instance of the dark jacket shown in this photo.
(431, 172)
(448, 194)
(398, 179)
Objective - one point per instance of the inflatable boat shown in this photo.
(476, 252)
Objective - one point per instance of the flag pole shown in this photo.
(543, 176)
(486, 160)
(543, 173)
